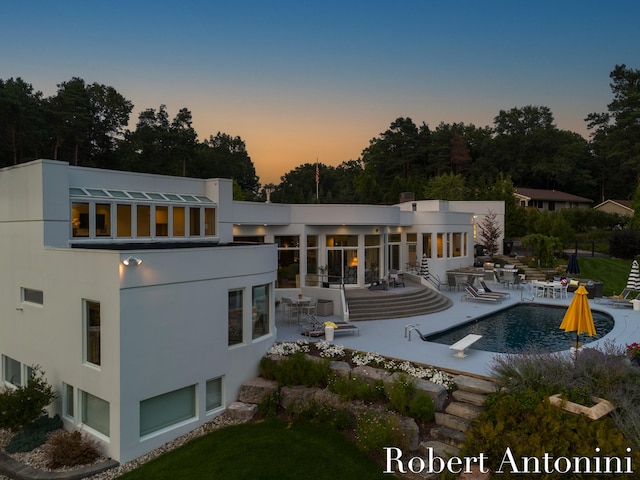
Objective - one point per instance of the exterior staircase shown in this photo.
(400, 302)
(452, 425)
(530, 273)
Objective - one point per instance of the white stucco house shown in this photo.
(149, 299)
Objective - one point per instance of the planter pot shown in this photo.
(601, 408)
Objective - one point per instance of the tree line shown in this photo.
(86, 124)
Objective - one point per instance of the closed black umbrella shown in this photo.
(573, 268)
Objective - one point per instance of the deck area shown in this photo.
(387, 337)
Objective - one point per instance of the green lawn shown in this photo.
(612, 271)
(272, 449)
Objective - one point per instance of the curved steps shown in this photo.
(409, 301)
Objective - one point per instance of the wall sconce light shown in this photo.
(131, 261)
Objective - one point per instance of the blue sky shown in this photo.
(300, 81)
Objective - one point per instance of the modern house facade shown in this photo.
(148, 300)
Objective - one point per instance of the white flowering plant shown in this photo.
(330, 350)
(289, 348)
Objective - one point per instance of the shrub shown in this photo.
(421, 407)
(25, 441)
(297, 369)
(34, 434)
(268, 407)
(508, 419)
(26, 403)
(375, 429)
(625, 243)
(340, 418)
(356, 388)
(399, 392)
(68, 449)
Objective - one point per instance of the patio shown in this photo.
(387, 337)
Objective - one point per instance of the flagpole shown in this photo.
(317, 178)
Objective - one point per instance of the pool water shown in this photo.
(523, 327)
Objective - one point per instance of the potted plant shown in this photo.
(633, 352)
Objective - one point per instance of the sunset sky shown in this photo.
(303, 80)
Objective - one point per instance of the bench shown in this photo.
(462, 345)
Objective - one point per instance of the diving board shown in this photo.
(462, 345)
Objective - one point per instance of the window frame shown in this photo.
(87, 341)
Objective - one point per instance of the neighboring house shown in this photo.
(550, 200)
(148, 300)
(620, 207)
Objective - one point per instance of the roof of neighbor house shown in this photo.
(550, 195)
(622, 203)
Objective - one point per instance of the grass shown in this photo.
(272, 449)
(613, 272)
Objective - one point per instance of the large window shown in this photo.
(394, 250)
(143, 221)
(11, 371)
(260, 311)
(209, 221)
(288, 261)
(313, 268)
(342, 254)
(95, 413)
(166, 410)
(371, 258)
(235, 317)
(162, 221)
(178, 222)
(103, 220)
(194, 222)
(427, 244)
(123, 219)
(92, 328)
(80, 219)
(214, 394)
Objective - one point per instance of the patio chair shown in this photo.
(395, 279)
(477, 297)
(487, 290)
(311, 308)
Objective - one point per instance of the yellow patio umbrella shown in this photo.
(579, 317)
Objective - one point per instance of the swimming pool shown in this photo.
(523, 327)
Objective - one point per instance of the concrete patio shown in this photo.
(387, 337)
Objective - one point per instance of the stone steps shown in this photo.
(380, 305)
(468, 401)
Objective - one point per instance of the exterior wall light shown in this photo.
(131, 261)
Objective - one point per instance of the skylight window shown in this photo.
(97, 192)
(118, 194)
(173, 197)
(202, 198)
(77, 192)
(155, 196)
(138, 195)
(189, 198)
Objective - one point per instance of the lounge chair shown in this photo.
(622, 300)
(488, 291)
(475, 296)
(346, 327)
(310, 326)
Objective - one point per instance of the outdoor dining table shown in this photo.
(300, 302)
(467, 278)
(547, 289)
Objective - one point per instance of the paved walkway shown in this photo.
(387, 337)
